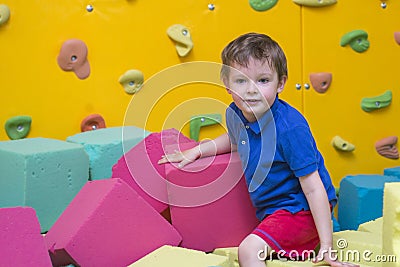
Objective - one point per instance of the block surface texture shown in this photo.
(106, 145)
(210, 204)
(139, 168)
(169, 256)
(21, 243)
(108, 224)
(391, 223)
(361, 199)
(42, 173)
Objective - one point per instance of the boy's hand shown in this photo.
(183, 157)
(327, 255)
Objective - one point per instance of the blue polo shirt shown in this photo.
(275, 151)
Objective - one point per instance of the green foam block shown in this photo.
(42, 173)
(106, 146)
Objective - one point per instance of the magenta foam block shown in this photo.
(210, 203)
(139, 167)
(108, 224)
(21, 243)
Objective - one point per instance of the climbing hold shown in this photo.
(73, 57)
(183, 40)
(358, 40)
(18, 127)
(132, 81)
(92, 122)
(377, 102)
(4, 14)
(342, 145)
(397, 37)
(89, 8)
(262, 5)
(315, 3)
(386, 147)
(198, 121)
(321, 81)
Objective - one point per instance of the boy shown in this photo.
(284, 171)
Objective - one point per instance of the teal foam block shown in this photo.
(361, 199)
(106, 146)
(395, 171)
(42, 173)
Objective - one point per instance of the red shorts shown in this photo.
(289, 235)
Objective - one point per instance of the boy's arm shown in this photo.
(317, 198)
(217, 146)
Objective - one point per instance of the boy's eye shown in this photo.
(263, 80)
(240, 81)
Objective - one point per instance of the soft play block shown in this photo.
(361, 199)
(391, 223)
(108, 224)
(139, 167)
(42, 173)
(209, 202)
(395, 171)
(374, 226)
(106, 145)
(21, 243)
(358, 247)
(170, 256)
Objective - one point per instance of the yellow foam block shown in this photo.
(358, 247)
(169, 256)
(231, 253)
(374, 226)
(391, 223)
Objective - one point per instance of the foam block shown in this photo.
(42, 173)
(358, 247)
(105, 146)
(210, 204)
(391, 223)
(361, 199)
(21, 243)
(169, 256)
(395, 171)
(374, 226)
(139, 167)
(107, 224)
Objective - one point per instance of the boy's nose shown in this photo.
(252, 88)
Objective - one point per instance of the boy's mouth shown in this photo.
(251, 101)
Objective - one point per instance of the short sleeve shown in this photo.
(299, 150)
(231, 121)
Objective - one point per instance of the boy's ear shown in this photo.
(281, 84)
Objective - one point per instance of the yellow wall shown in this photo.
(131, 34)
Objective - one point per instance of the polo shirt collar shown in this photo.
(265, 119)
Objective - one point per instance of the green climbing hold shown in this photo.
(18, 127)
(198, 121)
(357, 39)
(262, 5)
(369, 104)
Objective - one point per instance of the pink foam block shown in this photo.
(139, 167)
(210, 203)
(107, 224)
(21, 243)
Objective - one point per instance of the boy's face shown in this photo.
(254, 88)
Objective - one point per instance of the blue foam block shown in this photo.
(42, 173)
(106, 146)
(361, 199)
(395, 171)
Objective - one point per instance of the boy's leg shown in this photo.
(253, 251)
